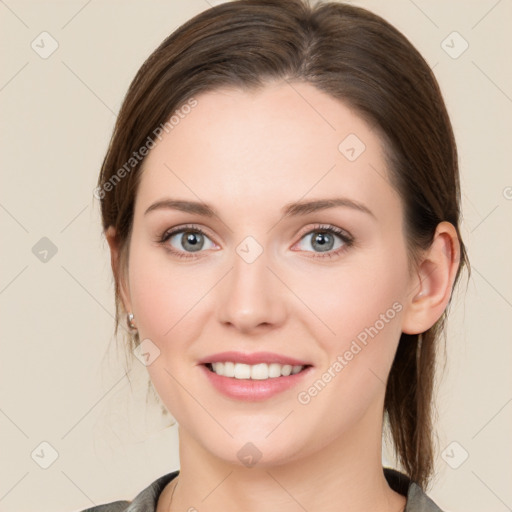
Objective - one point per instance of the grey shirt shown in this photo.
(146, 500)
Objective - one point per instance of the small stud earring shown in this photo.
(129, 319)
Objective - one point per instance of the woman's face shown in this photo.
(258, 280)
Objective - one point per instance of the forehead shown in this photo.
(283, 141)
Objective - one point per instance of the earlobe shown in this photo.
(117, 270)
(435, 277)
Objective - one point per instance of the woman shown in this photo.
(281, 201)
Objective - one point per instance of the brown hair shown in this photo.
(355, 56)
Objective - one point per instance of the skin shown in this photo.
(248, 154)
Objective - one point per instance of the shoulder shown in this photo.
(145, 501)
(115, 506)
(417, 500)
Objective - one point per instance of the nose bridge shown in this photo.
(251, 296)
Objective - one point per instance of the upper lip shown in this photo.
(254, 358)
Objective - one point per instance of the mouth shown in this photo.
(260, 371)
(253, 376)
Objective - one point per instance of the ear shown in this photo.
(432, 287)
(120, 274)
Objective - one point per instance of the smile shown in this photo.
(256, 382)
(261, 371)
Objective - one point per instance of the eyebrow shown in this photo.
(289, 210)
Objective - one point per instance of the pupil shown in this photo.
(323, 240)
(191, 238)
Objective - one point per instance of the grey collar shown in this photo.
(417, 500)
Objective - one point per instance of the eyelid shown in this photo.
(325, 227)
(182, 228)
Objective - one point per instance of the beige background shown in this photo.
(58, 382)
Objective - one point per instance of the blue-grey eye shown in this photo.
(323, 240)
(189, 240)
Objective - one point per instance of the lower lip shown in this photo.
(252, 390)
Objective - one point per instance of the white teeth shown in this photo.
(261, 371)
(274, 370)
(242, 371)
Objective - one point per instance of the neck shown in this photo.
(345, 475)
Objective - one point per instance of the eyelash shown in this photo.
(348, 241)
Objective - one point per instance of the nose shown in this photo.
(252, 297)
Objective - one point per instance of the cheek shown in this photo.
(362, 307)
(352, 298)
(166, 300)
(154, 297)
(163, 294)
